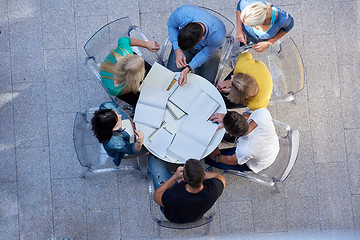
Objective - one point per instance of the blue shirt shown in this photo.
(284, 22)
(213, 38)
(119, 143)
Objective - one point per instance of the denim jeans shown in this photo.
(159, 171)
(227, 152)
(207, 70)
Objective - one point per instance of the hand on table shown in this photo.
(241, 37)
(224, 86)
(152, 46)
(183, 76)
(260, 46)
(218, 117)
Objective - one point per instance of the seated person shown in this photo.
(196, 36)
(107, 128)
(122, 70)
(257, 145)
(250, 86)
(261, 23)
(188, 194)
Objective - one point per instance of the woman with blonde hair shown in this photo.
(250, 86)
(122, 70)
(261, 23)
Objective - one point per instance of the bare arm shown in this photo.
(240, 35)
(229, 160)
(166, 185)
(152, 46)
(209, 175)
(262, 46)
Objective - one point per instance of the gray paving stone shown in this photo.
(104, 224)
(93, 8)
(324, 85)
(4, 10)
(5, 80)
(24, 8)
(63, 159)
(34, 196)
(118, 9)
(237, 217)
(151, 6)
(355, 199)
(176, 4)
(349, 95)
(9, 227)
(326, 122)
(302, 213)
(59, 32)
(102, 192)
(317, 17)
(53, 8)
(266, 205)
(237, 189)
(353, 153)
(69, 206)
(29, 95)
(94, 95)
(155, 30)
(4, 36)
(334, 196)
(7, 163)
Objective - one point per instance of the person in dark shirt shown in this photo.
(188, 194)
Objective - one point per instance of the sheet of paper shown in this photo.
(149, 115)
(162, 141)
(126, 124)
(199, 130)
(186, 147)
(159, 77)
(185, 96)
(176, 112)
(153, 96)
(203, 107)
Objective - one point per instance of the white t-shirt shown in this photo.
(260, 147)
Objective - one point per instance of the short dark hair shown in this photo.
(190, 35)
(235, 124)
(193, 173)
(103, 123)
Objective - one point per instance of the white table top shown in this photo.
(208, 88)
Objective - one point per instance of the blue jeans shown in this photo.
(207, 70)
(227, 152)
(159, 171)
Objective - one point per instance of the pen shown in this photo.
(171, 84)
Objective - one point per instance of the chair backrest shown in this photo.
(285, 65)
(106, 38)
(91, 154)
(161, 221)
(289, 141)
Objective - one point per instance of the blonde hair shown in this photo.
(243, 87)
(254, 14)
(129, 69)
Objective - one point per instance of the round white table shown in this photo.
(208, 88)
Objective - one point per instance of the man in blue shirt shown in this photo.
(196, 35)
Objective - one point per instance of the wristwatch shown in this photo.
(187, 66)
(216, 158)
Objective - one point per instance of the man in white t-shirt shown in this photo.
(257, 145)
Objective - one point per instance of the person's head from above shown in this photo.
(190, 35)
(104, 122)
(235, 124)
(193, 173)
(129, 69)
(255, 14)
(243, 87)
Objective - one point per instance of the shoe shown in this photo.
(228, 138)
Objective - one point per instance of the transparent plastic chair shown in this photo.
(289, 141)
(160, 220)
(225, 48)
(92, 155)
(99, 45)
(285, 64)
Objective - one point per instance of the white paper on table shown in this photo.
(151, 106)
(159, 77)
(162, 141)
(126, 124)
(203, 107)
(184, 96)
(184, 148)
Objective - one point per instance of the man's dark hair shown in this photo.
(193, 173)
(235, 124)
(190, 35)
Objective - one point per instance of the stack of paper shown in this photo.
(159, 77)
(161, 139)
(151, 106)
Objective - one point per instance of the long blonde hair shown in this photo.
(254, 14)
(129, 69)
(243, 87)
